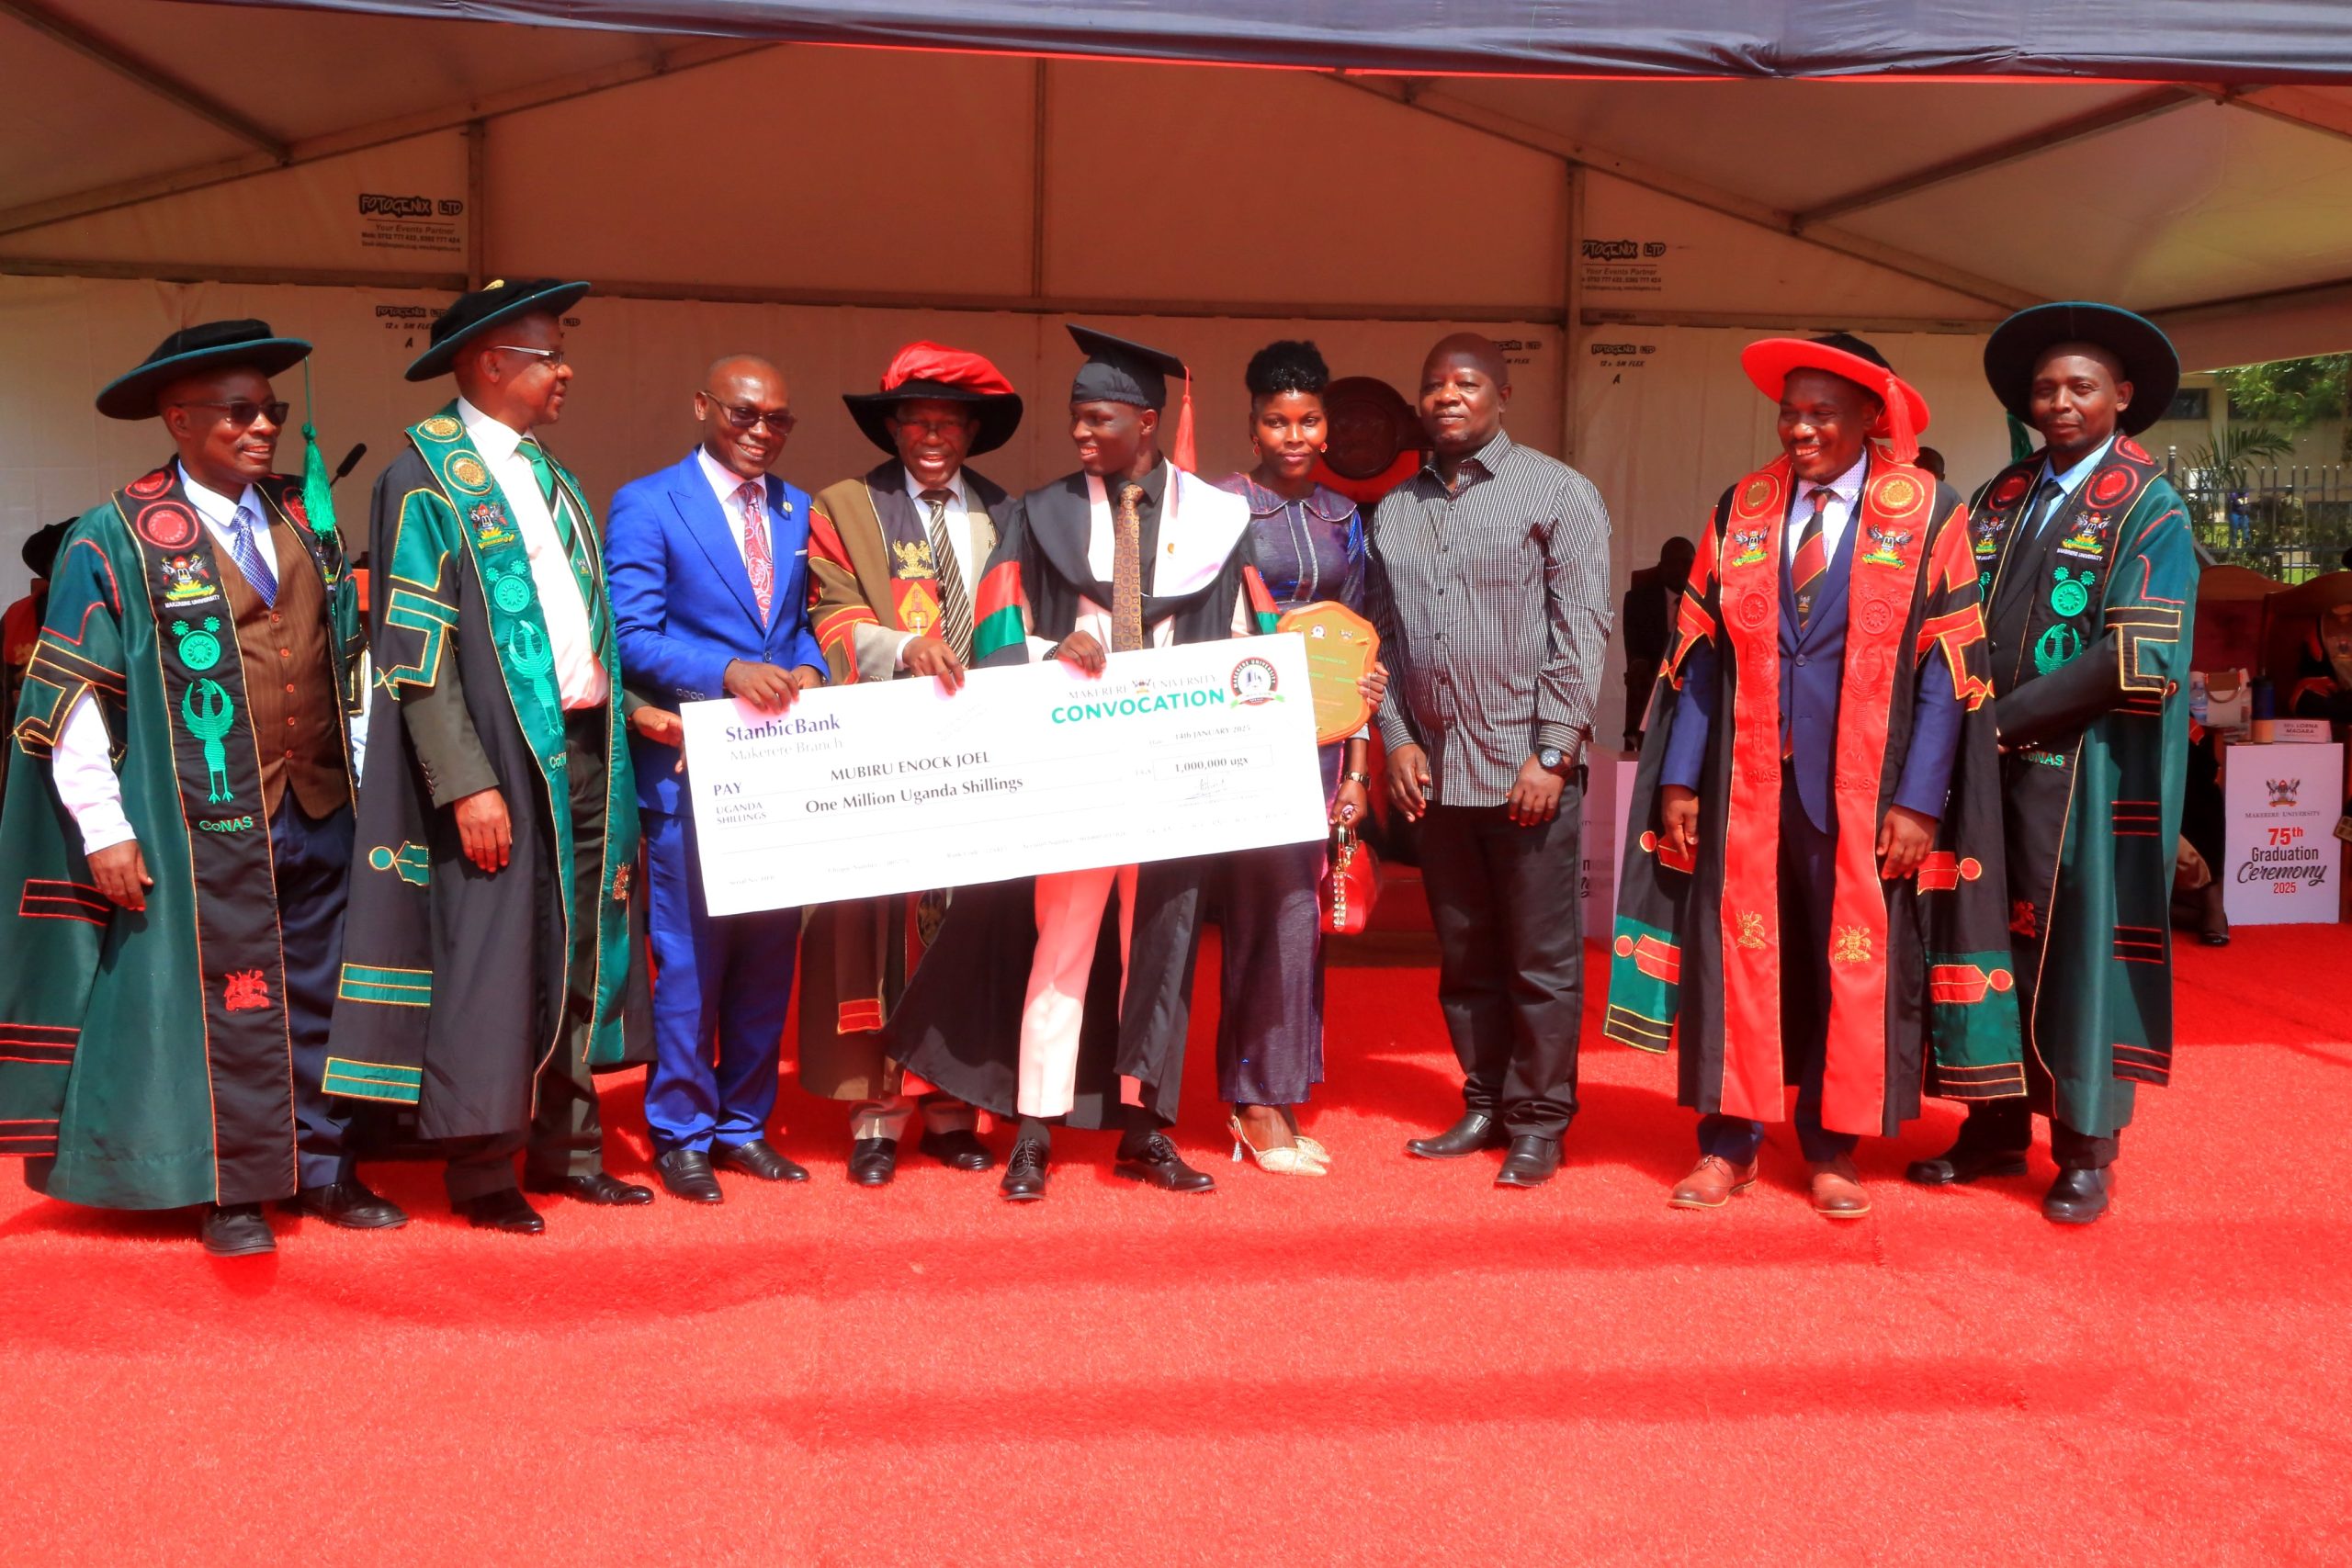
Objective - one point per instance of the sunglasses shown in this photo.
(241, 414)
(551, 357)
(743, 416)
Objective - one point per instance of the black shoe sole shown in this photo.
(1020, 1197)
(253, 1249)
(862, 1179)
(1981, 1173)
(1510, 1178)
(1149, 1177)
(342, 1224)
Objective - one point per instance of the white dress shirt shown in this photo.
(1846, 493)
(578, 673)
(728, 486)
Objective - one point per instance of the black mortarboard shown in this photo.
(1117, 371)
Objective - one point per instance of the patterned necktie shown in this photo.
(1813, 556)
(1126, 570)
(955, 605)
(246, 543)
(756, 560)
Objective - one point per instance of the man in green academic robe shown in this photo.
(2089, 575)
(488, 958)
(178, 828)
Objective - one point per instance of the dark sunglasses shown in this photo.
(241, 414)
(743, 416)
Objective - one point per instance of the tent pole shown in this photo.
(1037, 179)
(1571, 303)
(477, 211)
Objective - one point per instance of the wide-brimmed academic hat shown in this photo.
(1768, 363)
(39, 553)
(494, 304)
(210, 346)
(942, 375)
(2149, 362)
(1118, 371)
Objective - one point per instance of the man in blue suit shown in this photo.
(1836, 518)
(708, 561)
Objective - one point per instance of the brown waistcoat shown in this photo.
(290, 682)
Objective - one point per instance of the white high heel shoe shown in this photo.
(1295, 1160)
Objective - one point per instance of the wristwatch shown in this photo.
(1552, 759)
(1364, 779)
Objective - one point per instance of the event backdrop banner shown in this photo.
(2281, 855)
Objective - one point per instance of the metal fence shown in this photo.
(2288, 521)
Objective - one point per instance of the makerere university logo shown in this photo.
(2283, 791)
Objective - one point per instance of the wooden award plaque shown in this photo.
(1340, 648)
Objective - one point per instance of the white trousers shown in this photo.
(1069, 917)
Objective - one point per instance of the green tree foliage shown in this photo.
(2290, 394)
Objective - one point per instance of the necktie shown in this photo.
(955, 605)
(544, 471)
(2046, 502)
(245, 544)
(756, 560)
(1126, 570)
(1813, 556)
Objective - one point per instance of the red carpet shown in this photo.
(1397, 1363)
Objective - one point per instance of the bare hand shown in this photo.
(659, 726)
(807, 677)
(1349, 805)
(764, 686)
(1374, 683)
(1903, 840)
(1082, 652)
(483, 830)
(1534, 797)
(120, 872)
(931, 656)
(1678, 821)
(1408, 781)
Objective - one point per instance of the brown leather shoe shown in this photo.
(1712, 1183)
(1837, 1190)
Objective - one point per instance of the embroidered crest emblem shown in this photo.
(199, 647)
(2070, 596)
(2283, 791)
(620, 883)
(2056, 646)
(441, 427)
(2021, 918)
(2109, 486)
(1750, 543)
(1900, 493)
(167, 526)
(190, 582)
(1850, 945)
(489, 525)
(1886, 544)
(1875, 617)
(510, 590)
(2008, 492)
(410, 862)
(467, 473)
(1755, 610)
(147, 487)
(913, 557)
(1751, 930)
(1756, 496)
(244, 990)
(211, 716)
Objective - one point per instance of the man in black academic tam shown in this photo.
(995, 1017)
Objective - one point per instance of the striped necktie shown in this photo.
(955, 603)
(245, 535)
(1811, 561)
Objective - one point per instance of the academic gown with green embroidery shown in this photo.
(452, 990)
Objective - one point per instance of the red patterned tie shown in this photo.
(756, 558)
(1813, 557)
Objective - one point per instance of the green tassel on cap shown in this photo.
(318, 489)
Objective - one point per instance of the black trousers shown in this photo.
(565, 1137)
(2008, 1124)
(1510, 957)
(311, 858)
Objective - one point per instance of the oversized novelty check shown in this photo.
(895, 787)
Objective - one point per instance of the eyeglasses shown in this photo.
(551, 357)
(952, 424)
(241, 414)
(743, 416)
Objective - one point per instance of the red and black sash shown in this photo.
(1889, 549)
(247, 1047)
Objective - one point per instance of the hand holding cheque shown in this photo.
(892, 787)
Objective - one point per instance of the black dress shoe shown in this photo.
(1530, 1162)
(685, 1173)
(504, 1210)
(1475, 1131)
(873, 1161)
(2077, 1197)
(350, 1205)
(756, 1158)
(958, 1148)
(1158, 1165)
(1963, 1162)
(235, 1230)
(604, 1189)
(1025, 1172)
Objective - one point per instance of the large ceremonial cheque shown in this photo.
(897, 786)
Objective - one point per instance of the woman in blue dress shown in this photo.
(1310, 544)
